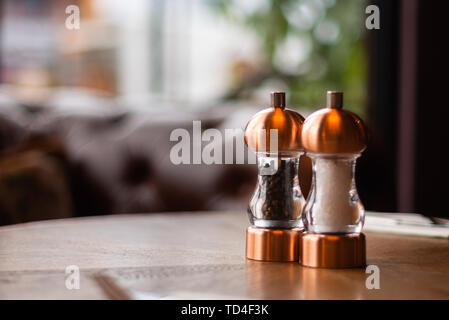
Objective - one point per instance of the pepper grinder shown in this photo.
(333, 216)
(276, 206)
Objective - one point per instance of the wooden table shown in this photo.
(200, 255)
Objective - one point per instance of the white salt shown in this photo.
(333, 209)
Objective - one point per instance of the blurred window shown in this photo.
(190, 51)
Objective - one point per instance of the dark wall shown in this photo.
(405, 168)
(431, 185)
(377, 166)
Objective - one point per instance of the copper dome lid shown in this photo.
(287, 122)
(334, 130)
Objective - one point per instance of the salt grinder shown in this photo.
(333, 216)
(276, 206)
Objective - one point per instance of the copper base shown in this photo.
(333, 251)
(280, 245)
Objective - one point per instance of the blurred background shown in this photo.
(86, 114)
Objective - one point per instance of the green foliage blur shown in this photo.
(311, 46)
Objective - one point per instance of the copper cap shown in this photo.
(334, 130)
(280, 245)
(333, 250)
(287, 122)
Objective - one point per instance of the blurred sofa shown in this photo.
(75, 153)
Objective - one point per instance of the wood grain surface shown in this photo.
(200, 255)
